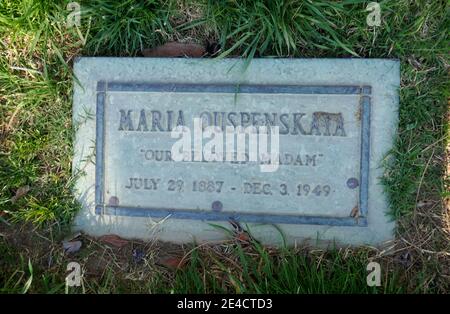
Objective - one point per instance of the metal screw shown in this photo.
(352, 183)
(217, 206)
(113, 201)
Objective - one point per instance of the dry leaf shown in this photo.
(243, 236)
(421, 204)
(172, 262)
(175, 49)
(22, 191)
(72, 237)
(114, 240)
(71, 246)
(355, 212)
(138, 255)
(406, 259)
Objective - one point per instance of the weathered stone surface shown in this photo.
(337, 120)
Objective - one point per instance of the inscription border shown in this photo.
(365, 102)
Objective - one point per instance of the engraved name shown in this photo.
(318, 124)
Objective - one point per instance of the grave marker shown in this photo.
(336, 120)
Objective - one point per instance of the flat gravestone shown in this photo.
(336, 120)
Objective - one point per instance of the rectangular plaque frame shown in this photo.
(101, 208)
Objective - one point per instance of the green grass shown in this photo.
(261, 270)
(276, 28)
(285, 271)
(36, 132)
(125, 27)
